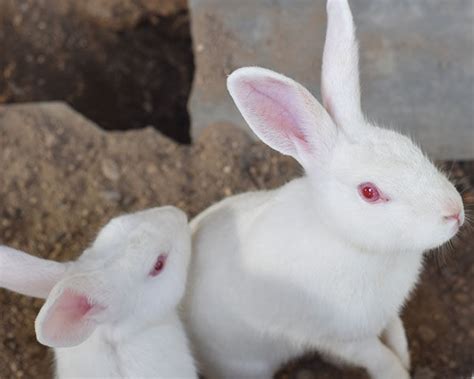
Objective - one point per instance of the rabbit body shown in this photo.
(159, 350)
(285, 292)
(325, 262)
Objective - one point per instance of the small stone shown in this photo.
(151, 169)
(110, 169)
(13, 366)
(17, 20)
(111, 196)
(50, 139)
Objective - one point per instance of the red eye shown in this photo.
(369, 192)
(159, 265)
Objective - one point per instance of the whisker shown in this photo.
(451, 170)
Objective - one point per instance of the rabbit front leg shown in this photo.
(371, 354)
(394, 337)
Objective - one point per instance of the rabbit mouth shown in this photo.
(457, 223)
(453, 230)
(456, 227)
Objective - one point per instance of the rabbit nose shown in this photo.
(457, 215)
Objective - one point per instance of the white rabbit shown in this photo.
(113, 312)
(327, 261)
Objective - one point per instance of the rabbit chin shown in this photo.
(441, 234)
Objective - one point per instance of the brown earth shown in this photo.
(125, 64)
(62, 178)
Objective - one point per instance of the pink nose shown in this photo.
(458, 216)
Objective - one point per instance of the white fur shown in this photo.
(133, 329)
(311, 265)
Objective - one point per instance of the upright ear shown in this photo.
(283, 114)
(71, 313)
(28, 275)
(340, 71)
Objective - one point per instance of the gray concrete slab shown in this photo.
(417, 61)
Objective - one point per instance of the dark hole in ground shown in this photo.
(131, 78)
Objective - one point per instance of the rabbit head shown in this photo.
(135, 269)
(372, 187)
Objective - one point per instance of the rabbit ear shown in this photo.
(28, 275)
(282, 113)
(340, 69)
(70, 314)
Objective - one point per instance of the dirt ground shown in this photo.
(125, 64)
(62, 178)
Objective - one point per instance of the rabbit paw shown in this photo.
(405, 358)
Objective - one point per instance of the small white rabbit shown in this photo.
(113, 312)
(327, 261)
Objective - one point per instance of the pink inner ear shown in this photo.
(76, 305)
(275, 105)
(66, 315)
